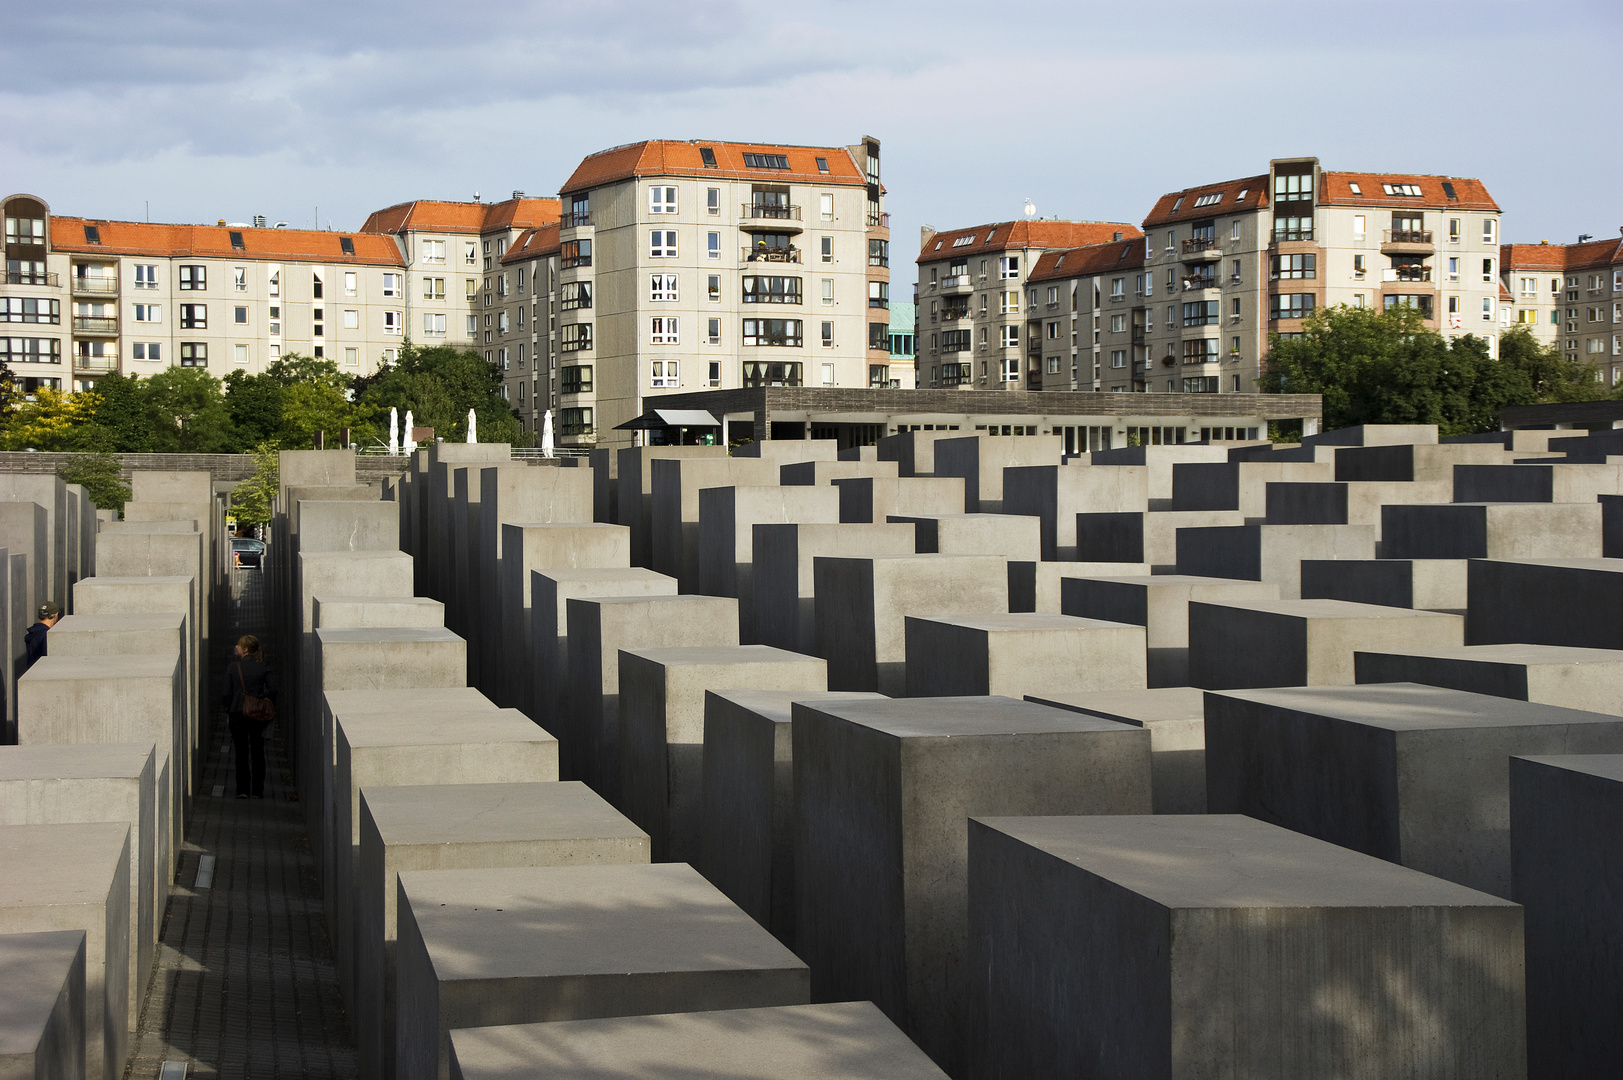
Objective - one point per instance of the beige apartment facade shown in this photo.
(972, 302)
(1534, 279)
(685, 266)
(88, 297)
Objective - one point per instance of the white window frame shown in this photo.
(825, 205)
(664, 330)
(662, 244)
(661, 199)
(662, 288)
(665, 374)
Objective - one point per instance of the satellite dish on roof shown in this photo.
(1031, 209)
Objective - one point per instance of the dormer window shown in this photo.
(766, 161)
(1407, 190)
(1177, 204)
(708, 156)
(346, 244)
(92, 234)
(1353, 185)
(822, 164)
(964, 241)
(1211, 198)
(236, 241)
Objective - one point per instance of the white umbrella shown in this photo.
(473, 427)
(410, 434)
(546, 434)
(394, 431)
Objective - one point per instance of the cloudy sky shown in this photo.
(195, 110)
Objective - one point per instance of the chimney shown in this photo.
(518, 194)
(259, 221)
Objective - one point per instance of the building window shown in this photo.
(1487, 269)
(240, 355)
(879, 294)
(662, 244)
(432, 251)
(433, 324)
(240, 315)
(1008, 267)
(146, 276)
(352, 284)
(879, 336)
(574, 421)
(878, 252)
(193, 278)
(713, 288)
(828, 335)
(391, 285)
(21, 230)
(662, 287)
(1200, 351)
(194, 316)
(1358, 227)
(1293, 266)
(1490, 231)
(1201, 313)
(665, 373)
(771, 290)
(30, 350)
(1291, 306)
(194, 354)
(391, 322)
(239, 278)
(1118, 324)
(575, 379)
(143, 313)
(575, 337)
(828, 249)
(574, 294)
(1487, 308)
(1009, 337)
(661, 200)
(662, 330)
(573, 253)
(1008, 303)
(433, 288)
(1118, 287)
(712, 200)
(1420, 303)
(765, 373)
(714, 331)
(713, 242)
(773, 332)
(146, 350)
(473, 325)
(1203, 384)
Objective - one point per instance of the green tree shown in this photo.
(98, 473)
(253, 498)
(189, 413)
(1550, 375)
(50, 420)
(253, 405)
(439, 385)
(123, 421)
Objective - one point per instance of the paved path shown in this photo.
(244, 984)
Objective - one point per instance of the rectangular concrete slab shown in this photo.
(727, 518)
(1433, 584)
(1013, 655)
(865, 500)
(883, 794)
(1546, 601)
(354, 612)
(1413, 774)
(448, 826)
(42, 1013)
(784, 558)
(479, 948)
(662, 709)
(1176, 719)
(1492, 531)
(1589, 679)
(1207, 945)
(847, 1041)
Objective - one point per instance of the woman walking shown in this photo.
(247, 684)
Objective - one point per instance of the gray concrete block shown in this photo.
(746, 847)
(479, 948)
(1408, 773)
(1589, 679)
(883, 795)
(598, 629)
(786, 451)
(727, 517)
(1013, 655)
(1348, 502)
(1176, 719)
(784, 556)
(981, 459)
(459, 827)
(1272, 553)
(77, 877)
(1222, 946)
(413, 745)
(804, 473)
(117, 782)
(847, 1041)
(550, 593)
(331, 525)
(913, 451)
(1160, 604)
(1565, 874)
(662, 709)
(634, 490)
(1405, 462)
(1015, 538)
(1302, 642)
(42, 1014)
(1056, 494)
(1036, 586)
(313, 468)
(1611, 516)
(355, 612)
(674, 521)
(1576, 602)
(1492, 531)
(1542, 483)
(862, 604)
(865, 500)
(1141, 537)
(50, 493)
(1239, 485)
(1433, 584)
(25, 529)
(1158, 462)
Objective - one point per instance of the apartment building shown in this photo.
(1592, 306)
(1085, 322)
(699, 264)
(971, 286)
(1225, 264)
(530, 315)
(87, 297)
(1534, 279)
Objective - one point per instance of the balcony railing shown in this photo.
(94, 286)
(954, 314)
(1406, 236)
(1197, 282)
(23, 277)
(573, 220)
(1407, 273)
(103, 362)
(95, 324)
(752, 211)
(1283, 233)
(783, 255)
(1198, 244)
(879, 221)
(957, 281)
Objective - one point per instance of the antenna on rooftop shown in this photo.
(1031, 209)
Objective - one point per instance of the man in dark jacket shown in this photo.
(244, 676)
(34, 640)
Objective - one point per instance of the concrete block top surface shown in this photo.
(609, 574)
(1515, 654)
(59, 864)
(441, 700)
(495, 813)
(959, 717)
(1232, 861)
(149, 528)
(612, 920)
(1404, 707)
(1182, 581)
(448, 451)
(333, 611)
(776, 705)
(1338, 609)
(440, 729)
(1607, 767)
(851, 1040)
(151, 485)
(1138, 707)
(36, 967)
(1613, 566)
(102, 666)
(719, 655)
(136, 621)
(1023, 622)
(82, 761)
(364, 634)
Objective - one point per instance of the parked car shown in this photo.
(247, 551)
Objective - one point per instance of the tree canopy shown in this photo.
(1386, 367)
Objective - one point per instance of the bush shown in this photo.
(98, 475)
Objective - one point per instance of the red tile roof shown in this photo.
(1083, 261)
(147, 238)
(1504, 295)
(1180, 205)
(1595, 254)
(1007, 235)
(1335, 189)
(1532, 257)
(431, 215)
(533, 243)
(666, 157)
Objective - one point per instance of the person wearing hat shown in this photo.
(34, 640)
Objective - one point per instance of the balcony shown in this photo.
(773, 211)
(954, 314)
(1200, 283)
(770, 255)
(20, 277)
(1407, 242)
(101, 364)
(1407, 273)
(879, 221)
(1201, 249)
(95, 324)
(958, 283)
(955, 374)
(95, 286)
(1287, 234)
(573, 220)
(1138, 335)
